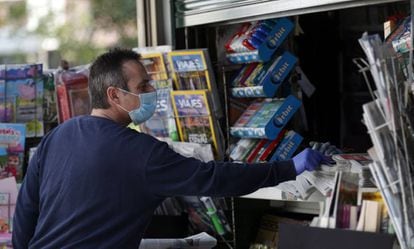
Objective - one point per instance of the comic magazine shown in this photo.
(194, 119)
(12, 142)
(21, 96)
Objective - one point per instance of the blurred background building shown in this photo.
(51, 30)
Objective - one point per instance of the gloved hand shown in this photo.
(308, 159)
(325, 148)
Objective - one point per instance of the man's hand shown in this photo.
(308, 159)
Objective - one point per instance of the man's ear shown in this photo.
(112, 94)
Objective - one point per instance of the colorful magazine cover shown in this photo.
(192, 70)
(8, 198)
(79, 101)
(72, 93)
(194, 119)
(7, 103)
(49, 99)
(12, 142)
(21, 95)
(7, 107)
(162, 123)
(155, 66)
(189, 70)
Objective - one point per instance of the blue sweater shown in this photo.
(93, 183)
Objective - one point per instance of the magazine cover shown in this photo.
(12, 142)
(194, 120)
(72, 94)
(155, 66)
(8, 198)
(79, 101)
(192, 70)
(49, 99)
(189, 70)
(7, 103)
(7, 107)
(21, 92)
(162, 123)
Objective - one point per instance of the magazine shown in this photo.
(162, 123)
(79, 101)
(12, 143)
(194, 118)
(72, 94)
(21, 96)
(8, 198)
(155, 66)
(192, 70)
(189, 70)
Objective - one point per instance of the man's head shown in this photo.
(114, 78)
(108, 70)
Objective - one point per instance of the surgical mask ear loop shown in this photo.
(125, 91)
(122, 107)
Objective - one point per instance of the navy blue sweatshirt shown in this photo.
(93, 183)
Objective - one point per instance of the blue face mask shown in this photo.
(148, 104)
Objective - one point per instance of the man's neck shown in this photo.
(107, 113)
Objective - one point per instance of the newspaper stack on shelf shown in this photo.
(198, 241)
(389, 119)
(323, 180)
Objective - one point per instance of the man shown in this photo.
(93, 183)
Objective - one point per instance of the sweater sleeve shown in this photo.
(27, 207)
(170, 174)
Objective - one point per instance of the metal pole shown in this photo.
(141, 29)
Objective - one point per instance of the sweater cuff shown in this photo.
(286, 171)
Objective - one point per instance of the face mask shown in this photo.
(148, 104)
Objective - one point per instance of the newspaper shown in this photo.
(203, 152)
(198, 241)
(323, 179)
(389, 119)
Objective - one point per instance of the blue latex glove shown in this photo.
(325, 148)
(308, 159)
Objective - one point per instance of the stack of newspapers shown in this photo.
(323, 179)
(198, 241)
(389, 119)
